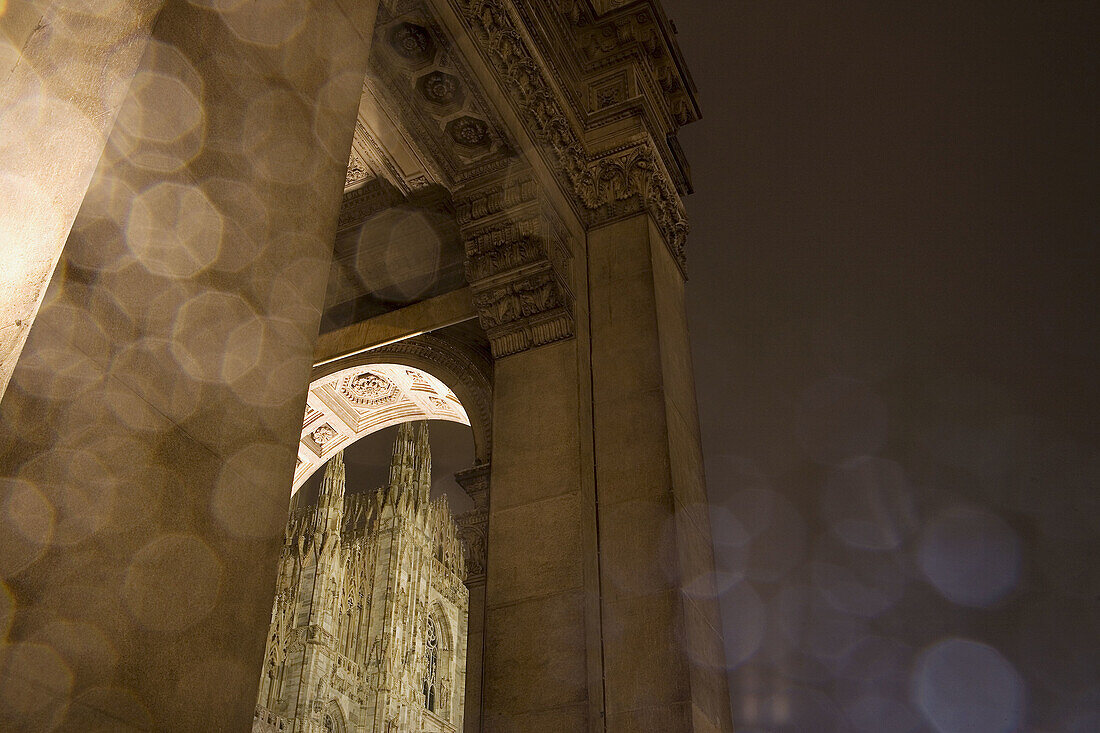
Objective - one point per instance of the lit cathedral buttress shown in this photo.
(368, 627)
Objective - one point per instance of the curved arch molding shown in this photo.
(426, 377)
(360, 400)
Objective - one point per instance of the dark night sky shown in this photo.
(893, 315)
(925, 171)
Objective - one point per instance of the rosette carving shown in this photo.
(369, 390)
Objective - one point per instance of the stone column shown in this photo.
(66, 70)
(149, 430)
(473, 529)
(540, 634)
(662, 643)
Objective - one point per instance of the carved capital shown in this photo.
(475, 482)
(630, 179)
(524, 314)
(473, 526)
(517, 264)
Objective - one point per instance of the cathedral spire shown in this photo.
(411, 466)
(423, 472)
(403, 461)
(330, 500)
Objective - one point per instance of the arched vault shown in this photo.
(358, 400)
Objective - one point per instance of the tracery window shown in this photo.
(332, 720)
(431, 662)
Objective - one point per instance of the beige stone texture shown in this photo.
(66, 70)
(155, 413)
(149, 429)
(656, 558)
(475, 640)
(535, 593)
(543, 637)
(370, 608)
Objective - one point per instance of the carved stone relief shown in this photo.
(517, 263)
(430, 91)
(609, 184)
(473, 526)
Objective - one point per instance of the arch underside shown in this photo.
(457, 356)
(359, 400)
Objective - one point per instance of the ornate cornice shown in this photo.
(608, 35)
(524, 314)
(630, 178)
(475, 482)
(606, 184)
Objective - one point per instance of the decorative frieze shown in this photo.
(524, 314)
(607, 184)
(641, 36)
(265, 721)
(510, 246)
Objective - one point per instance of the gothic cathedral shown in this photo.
(368, 628)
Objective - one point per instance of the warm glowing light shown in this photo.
(343, 407)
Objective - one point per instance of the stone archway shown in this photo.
(466, 368)
(152, 422)
(332, 719)
(466, 371)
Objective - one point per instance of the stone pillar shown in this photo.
(149, 430)
(540, 633)
(662, 644)
(473, 528)
(66, 70)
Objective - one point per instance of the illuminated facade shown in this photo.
(368, 627)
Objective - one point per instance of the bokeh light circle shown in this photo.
(963, 686)
(971, 557)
